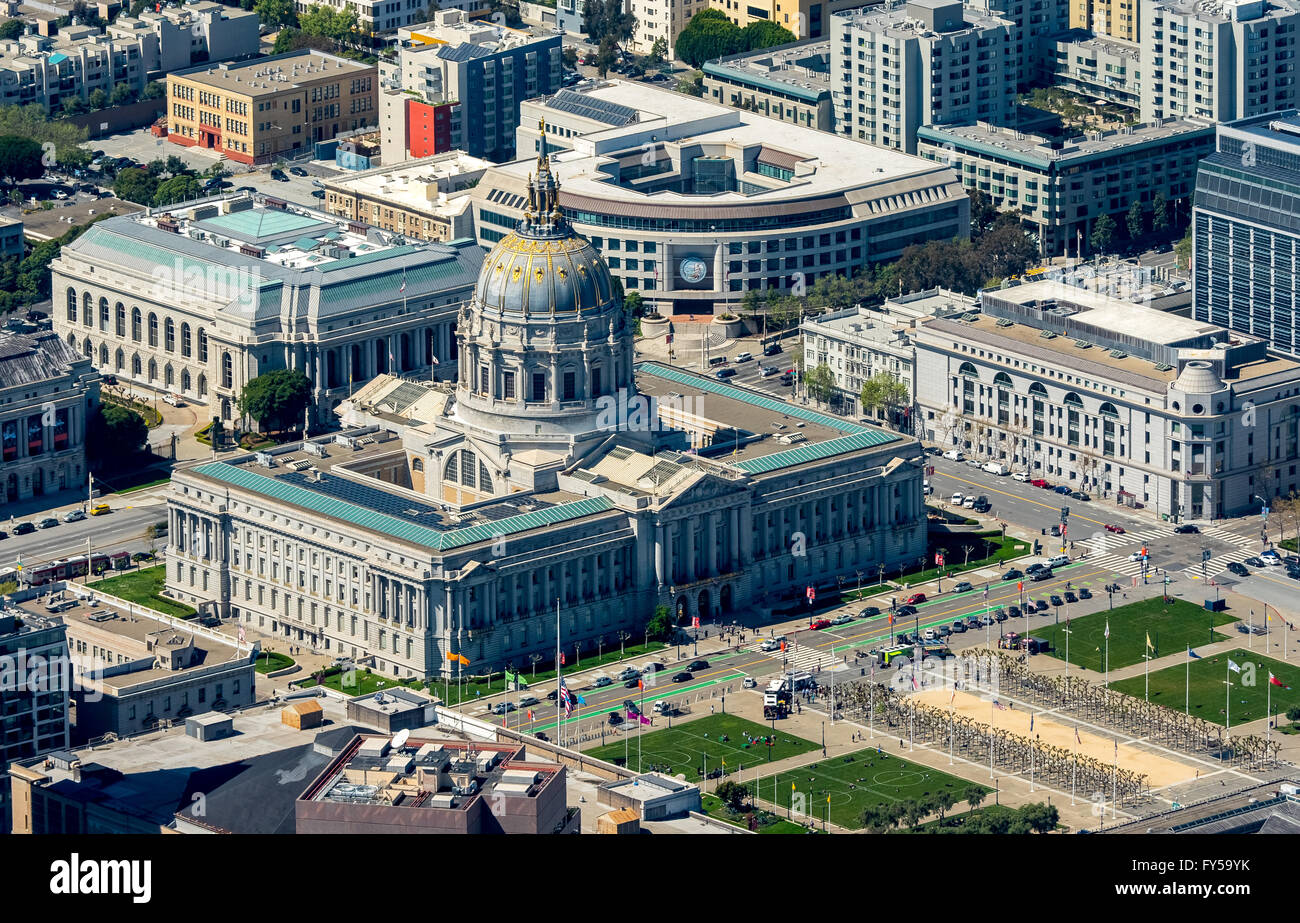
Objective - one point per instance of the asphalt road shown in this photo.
(121, 530)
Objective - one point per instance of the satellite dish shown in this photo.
(400, 738)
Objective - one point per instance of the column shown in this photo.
(670, 575)
(691, 563)
(746, 538)
(711, 541)
(734, 544)
(659, 553)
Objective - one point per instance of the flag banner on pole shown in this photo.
(1031, 724)
(1277, 682)
(561, 658)
(1150, 646)
(695, 621)
(530, 714)
(1076, 736)
(953, 696)
(1107, 634)
(241, 634)
(914, 686)
(1233, 667)
(1117, 748)
(1192, 654)
(999, 706)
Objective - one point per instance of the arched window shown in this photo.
(203, 385)
(185, 340)
(203, 345)
(72, 304)
(168, 375)
(103, 355)
(185, 380)
(1107, 409)
(968, 370)
(120, 328)
(1037, 388)
(103, 315)
(1073, 400)
(135, 365)
(169, 335)
(227, 371)
(417, 464)
(153, 369)
(1002, 380)
(88, 350)
(153, 329)
(119, 361)
(87, 310)
(135, 323)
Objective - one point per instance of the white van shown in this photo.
(660, 706)
(952, 454)
(997, 468)
(1059, 560)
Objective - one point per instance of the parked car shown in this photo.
(914, 599)
(1070, 597)
(1187, 529)
(819, 624)
(952, 455)
(1063, 489)
(962, 586)
(944, 631)
(842, 619)
(1000, 614)
(958, 626)
(1014, 612)
(1012, 574)
(956, 498)
(1039, 482)
(73, 516)
(49, 522)
(868, 612)
(1020, 476)
(1040, 605)
(278, 176)
(297, 171)
(1056, 600)
(601, 682)
(1079, 495)
(615, 718)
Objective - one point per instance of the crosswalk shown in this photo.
(1100, 554)
(1247, 546)
(804, 657)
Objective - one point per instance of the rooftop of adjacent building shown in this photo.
(636, 115)
(1274, 129)
(410, 771)
(28, 359)
(1272, 807)
(1039, 150)
(416, 184)
(249, 780)
(920, 18)
(243, 249)
(1220, 11)
(277, 74)
(180, 15)
(1093, 333)
(16, 623)
(799, 66)
(1084, 40)
(889, 323)
(452, 34)
(647, 786)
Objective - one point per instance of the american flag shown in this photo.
(999, 706)
(241, 634)
(403, 288)
(566, 698)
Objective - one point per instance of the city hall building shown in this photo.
(201, 298)
(556, 480)
(691, 203)
(1113, 398)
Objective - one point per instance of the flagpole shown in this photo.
(1074, 771)
(1268, 708)
(1187, 684)
(990, 740)
(559, 720)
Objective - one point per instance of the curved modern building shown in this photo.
(692, 203)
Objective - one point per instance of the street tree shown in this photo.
(276, 399)
(1136, 220)
(883, 391)
(1103, 234)
(20, 159)
(820, 383)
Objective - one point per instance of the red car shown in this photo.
(1039, 482)
(1118, 530)
(914, 599)
(820, 624)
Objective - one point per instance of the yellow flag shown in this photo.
(1150, 646)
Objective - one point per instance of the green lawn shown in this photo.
(682, 748)
(765, 822)
(270, 661)
(855, 782)
(1172, 686)
(144, 587)
(363, 682)
(1172, 626)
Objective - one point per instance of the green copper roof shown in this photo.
(282, 491)
(815, 451)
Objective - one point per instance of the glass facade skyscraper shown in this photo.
(1246, 230)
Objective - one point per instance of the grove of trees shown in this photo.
(710, 34)
(276, 400)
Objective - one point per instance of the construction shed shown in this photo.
(303, 715)
(621, 820)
